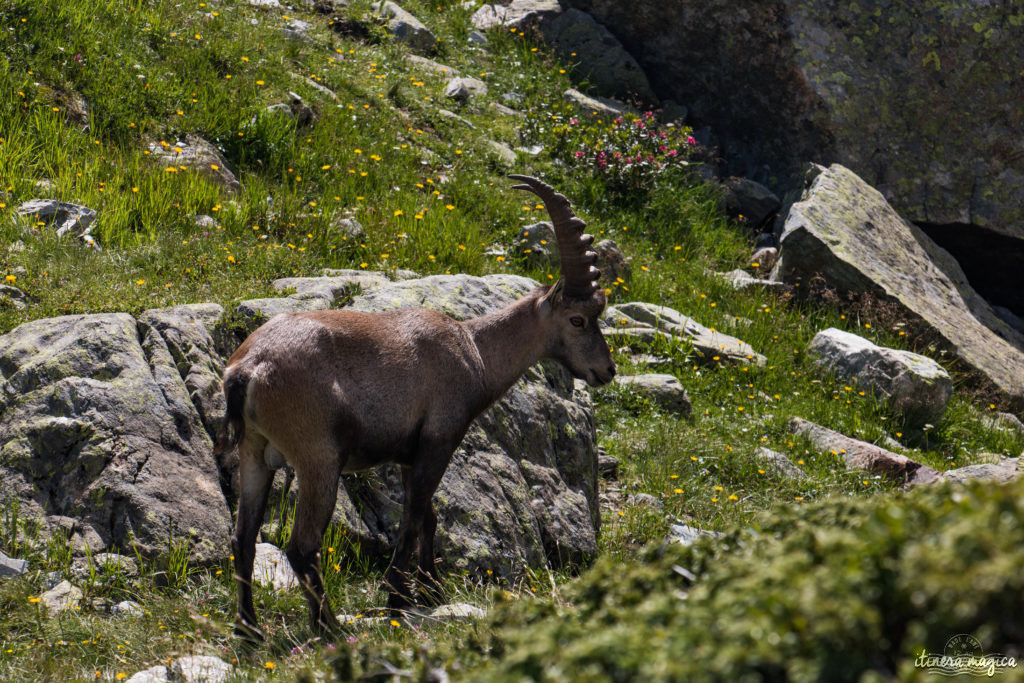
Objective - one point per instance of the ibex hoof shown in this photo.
(248, 632)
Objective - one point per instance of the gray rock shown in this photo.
(102, 563)
(196, 154)
(128, 607)
(504, 154)
(200, 669)
(685, 534)
(350, 229)
(662, 390)
(297, 30)
(405, 28)
(205, 222)
(1004, 422)
(158, 674)
(430, 65)
(13, 296)
(607, 466)
(272, 568)
(457, 611)
(505, 111)
(536, 244)
(913, 385)
(600, 58)
(100, 438)
(601, 107)
(478, 39)
(764, 260)
(68, 218)
(61, 597)
(646, 500)
(280, 109)
(267, 4)
(844, 230)
(452, 116)
(12, 567)
(1000, 472)
(252, 313)
(749, 201)
(861, 455)
(519, 14)
(741, 279)
(330, 288)
(613, 263)
(188, 330)
(708, 344)
(463, 88)
(522, 487)
(778, 463)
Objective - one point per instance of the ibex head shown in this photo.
(573, 305)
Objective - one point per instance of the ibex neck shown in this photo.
(509, 341)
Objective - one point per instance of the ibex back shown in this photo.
(340, 391)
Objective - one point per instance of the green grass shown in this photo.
(432, 198)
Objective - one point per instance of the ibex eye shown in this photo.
(576, 321)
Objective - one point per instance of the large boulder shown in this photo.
(913, 385)
(923, 100)
(98, 437)
(520, 15)
(846, 232)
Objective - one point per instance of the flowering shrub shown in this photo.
(628, 154)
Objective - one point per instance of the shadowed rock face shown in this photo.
(924, 100)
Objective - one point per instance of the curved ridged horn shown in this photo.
(577, 257)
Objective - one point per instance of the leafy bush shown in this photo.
(840, 590)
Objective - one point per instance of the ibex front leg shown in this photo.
(418, 518)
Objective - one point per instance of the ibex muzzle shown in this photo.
(341, 391)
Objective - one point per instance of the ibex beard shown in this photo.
(340, 391)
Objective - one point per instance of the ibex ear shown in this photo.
(553, 299)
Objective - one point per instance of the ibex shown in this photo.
(341, 391)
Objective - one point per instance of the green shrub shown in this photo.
(845, 589)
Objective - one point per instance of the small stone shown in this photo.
(503, 152)
(600, 107)
(685, 534)
(350, 228)
(272, 568)
(646, 500)
(612, 263)
(61, 597)
(607, 466)
(297, 30)
(201, 669)
(102, 563)
(507, 111)
(129, 607)
(452, 116)
(779, 463)
(13, 296)
(68, 217)
(12, 567)
(741, 279)
(405, 28)
(155, 674)
(662, 390)
(461, 89)
(458, 611)
(1000, 472)
(205, 222)
(478, 39)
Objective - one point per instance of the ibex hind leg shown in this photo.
(318, 491)
(254, 480)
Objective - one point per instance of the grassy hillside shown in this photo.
(431, 195)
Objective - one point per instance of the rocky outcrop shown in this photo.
(106, 424)
(911, 384)
(521, 15)
(845, 231)
(99, 437)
